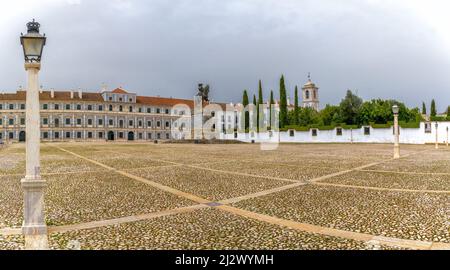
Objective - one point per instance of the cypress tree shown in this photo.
(283, 104)
(260, 101)
(296, 108)
(424, 108)
(433, 111)
(245, 104)
(272, 101)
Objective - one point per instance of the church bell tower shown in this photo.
(310, 95)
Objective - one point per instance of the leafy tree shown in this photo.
(330, 115)
(448, 111)
(308, 116)
(245, 104)
(433, 111)
(424, 108)
(296, 108)
(349, 108)
(260, 101)
(283, 104)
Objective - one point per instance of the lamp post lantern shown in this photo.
(34, 227)
(437, 136)
(395, 110)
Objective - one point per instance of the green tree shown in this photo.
(330, 115)
(260, 101)
(433, 111)
(245, 104)
(349, 108)
(424, 108)
(272, 102)
(296, 107)
(448, 111)
(283, 104)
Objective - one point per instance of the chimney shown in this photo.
(71, 94)
(80, 93)
(52, 93)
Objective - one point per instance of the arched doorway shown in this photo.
(131, 136)
(22, 136)
(111, 136)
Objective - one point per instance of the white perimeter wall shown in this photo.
(385, 135)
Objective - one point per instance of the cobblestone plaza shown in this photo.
(185, 196)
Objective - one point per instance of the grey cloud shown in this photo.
(164, 48)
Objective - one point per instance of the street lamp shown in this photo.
(34, 227)
(395, 110)
(437, 136)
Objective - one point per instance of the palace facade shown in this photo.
(79, 116)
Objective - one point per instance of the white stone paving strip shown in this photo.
(394, 242)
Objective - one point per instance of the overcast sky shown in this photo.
(380, 48)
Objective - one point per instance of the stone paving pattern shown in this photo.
(81, 191)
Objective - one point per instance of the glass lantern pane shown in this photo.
(33, 47)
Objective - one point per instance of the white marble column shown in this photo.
(34, 227)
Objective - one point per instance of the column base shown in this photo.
(34, 227)
(36, 242)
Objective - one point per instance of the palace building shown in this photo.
(79, 116)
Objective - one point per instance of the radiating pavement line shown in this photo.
(117, 221)
(143, 180)
(407, 173)
(383, 189)
(396, 242)
(388, 241)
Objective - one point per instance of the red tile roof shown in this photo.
(159, 101)
(119, 91)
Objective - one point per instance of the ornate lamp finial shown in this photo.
(33, 27)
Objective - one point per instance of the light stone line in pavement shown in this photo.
(384, 189)
(394, 242)
(222, 171)
(117, 221)
(411, 173)
(388, 241)
(143, 180)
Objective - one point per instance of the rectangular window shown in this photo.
(120, 135)
(68, 107)
(68, 135)
(314, 132)
(67, 121)
(167, 136)
(140, 123)
(1, 106)
(158, 136)
(149, 110)
(130, 123)
(56, 106)
(11, 106)
(11, 135)
(90, 135)
(140, 136)
(45, 121)
(339, 132)
(149, 123)
(45, 135)
(79, 122)
(291, 133)
(149, 136)
(427, 127)
(78, 107)
(22, 121)
(100, 135)
(90, 122)
(158, 124)
(366, 130)
(100, 122)
(11, 122)
(89, 107)
(167, 111)
(22, 106)
(1, 121)
(100, 107)
(56, 135)
(111, 122)
(78, 135)
(158, 110)
(45, 107)
(167, 124)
